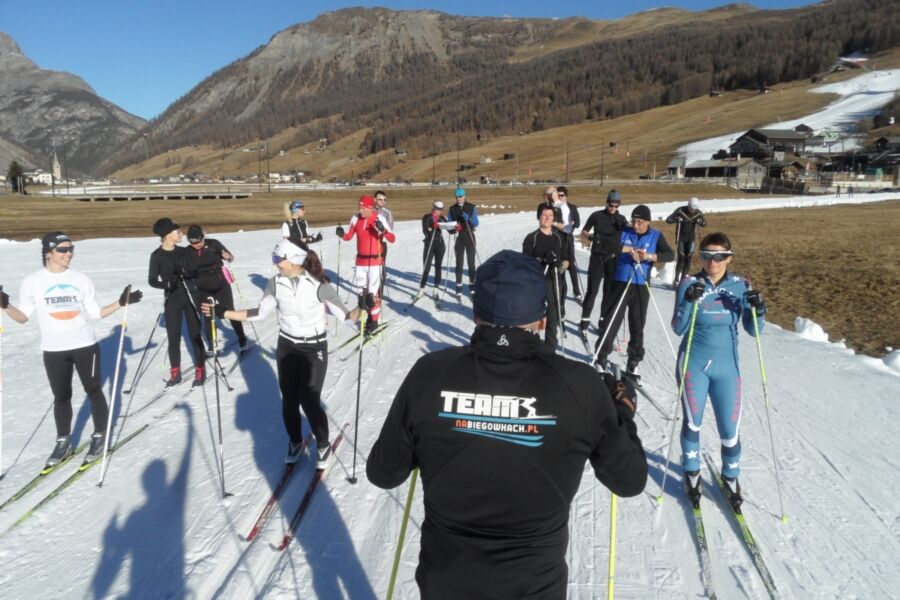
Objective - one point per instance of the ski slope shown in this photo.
(159, 528)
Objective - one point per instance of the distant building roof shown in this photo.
(726, 162)
(782, 133)
(677, 162)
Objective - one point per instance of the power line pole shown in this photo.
(567, 162)
(268, 170)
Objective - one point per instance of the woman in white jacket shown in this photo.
(301, 297)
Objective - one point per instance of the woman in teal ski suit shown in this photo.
(713, 368)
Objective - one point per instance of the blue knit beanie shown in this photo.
(510, 289)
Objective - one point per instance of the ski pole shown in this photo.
(474, 245)
(611, 583)
(217, 367)
(684, 366)
(612, 317)
(661, 322)
(115, 383)
(446, 271)
(560, 325)
(762, 372)
(409, 499)
(364, 316)
(143, 354)
(215, 335)
(244, 302)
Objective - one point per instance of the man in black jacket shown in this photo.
(554, 253)
(686, 218)
(500, 431)
(603, 228)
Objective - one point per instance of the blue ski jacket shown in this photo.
(652, 242)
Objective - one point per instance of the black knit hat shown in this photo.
(510, 289)
(641, 211)
(164, 227)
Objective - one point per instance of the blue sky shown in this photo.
(145, 54)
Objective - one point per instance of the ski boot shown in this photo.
(243, 346)
(174, 376)
(733, 493)
(61, 451)
(293, 453)
(98, 442)
(199, 376)
(459, 292)
(437, 295)
(583, 328)
(323, 453)
(419, 294)
(631, 373)
(693, 485)
(601, 364)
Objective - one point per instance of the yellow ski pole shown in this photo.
(409, 499)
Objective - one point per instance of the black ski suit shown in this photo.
(167, 272)
(465, 240)
(433, 250)
(606, 229)
(543, 246)
(298, 229)
(206, 263)
(685, 220)
(501, 430)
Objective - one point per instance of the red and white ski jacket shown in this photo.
(368, 240)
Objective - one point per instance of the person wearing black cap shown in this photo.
(205, 259)
(168, 272)
(603, 228)
(552, 250)
(434, 247)
(640, 247)
(62, 298)
(296, 227)
(501, 445)
(686, 218)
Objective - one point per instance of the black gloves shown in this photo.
(622, 393)
(317, 237)
(340, 231)
(379, 225)
(366, 301)
(755, 299)
(129, 297)
(553, 259)
(4, 299)
(694, 291)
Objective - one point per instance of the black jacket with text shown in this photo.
(500, 431)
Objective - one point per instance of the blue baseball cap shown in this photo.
(296, 205)
(510, 289)
(460, 192)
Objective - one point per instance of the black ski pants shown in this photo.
(436, 255)
(178, 305)
(465, 244)
(637, 297)
(601, 269)
(683, 264)
(554, 322)
(223, 296)
(573, 268)
(301, 374)
(60, 366)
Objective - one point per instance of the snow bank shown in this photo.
(810, 330)
(892, 360)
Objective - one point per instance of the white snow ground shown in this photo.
(860, 97)
(159, 529)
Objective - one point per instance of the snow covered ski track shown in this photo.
(159, 527)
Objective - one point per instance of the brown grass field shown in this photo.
(839, 266)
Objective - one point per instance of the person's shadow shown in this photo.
(153, 535)
(109, 348)
(323, 535)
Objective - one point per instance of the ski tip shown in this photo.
(659, 500)
(784, 518)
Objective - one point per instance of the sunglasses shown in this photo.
(65, 249)
(277, 259)
(195, 241)
(717, 256)
(561, 194)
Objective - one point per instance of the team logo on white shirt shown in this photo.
(63, 301)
